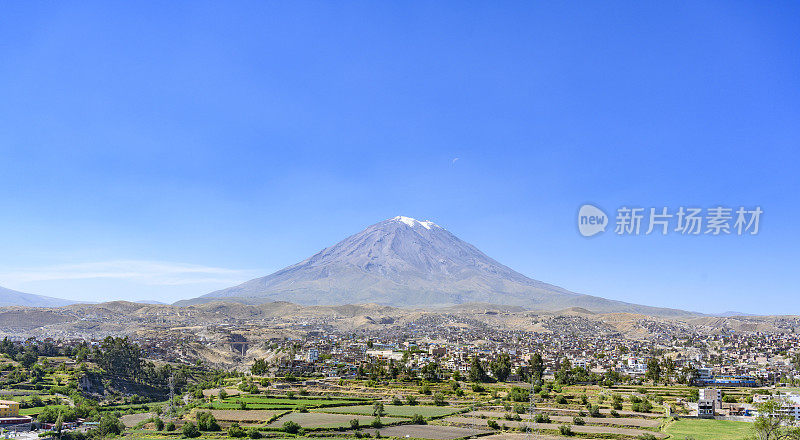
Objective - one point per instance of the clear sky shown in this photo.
(164, 150)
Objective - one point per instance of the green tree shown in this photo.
(771, 424)
(476, 371)
(537, 367)
(653, 370)
(377, 409)
(501, 367)
(190, 430)
(110, 425)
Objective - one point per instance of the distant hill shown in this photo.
(406, 262)
(10, 297)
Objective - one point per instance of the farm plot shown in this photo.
(131, 420)
(234, 415)
(616, 421)
(395, 410)
(434, 432)
(583, 429)
(323, 420)
(276, 403)
(709, 429)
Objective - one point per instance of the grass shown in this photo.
(395, 410)
(707, 429)
(36, 410)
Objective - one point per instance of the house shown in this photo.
(705, 409)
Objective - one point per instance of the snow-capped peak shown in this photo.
(427, 224)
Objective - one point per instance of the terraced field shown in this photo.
(396, 410)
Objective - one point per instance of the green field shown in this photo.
(37, 409)
(395, 410)
(709, 429)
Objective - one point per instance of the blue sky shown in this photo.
(165, 150)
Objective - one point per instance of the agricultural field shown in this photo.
(324, 420)
(433, 432)
(396, 410)
(709, 429)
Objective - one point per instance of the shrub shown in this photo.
(478, 388)
(492, 424)
(396, 401)
(411, 400)
(614, 413)
(190, 430)
(254, 433)
(171, 426)
(236, 431)
(647, 436)
(376, 423)
(561, 400)
(417, 419)
(541, 418)
(291, 427)
(159, 423)
(302, 408)
(425, 389)
(578, 421)
(207, 422)
(355, 424)
(565, 430)
(519, 408)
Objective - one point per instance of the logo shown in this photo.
(591, 220)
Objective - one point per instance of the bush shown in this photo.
(207, 422)
(565, 430)
(478, 388)
(190, 430)
(355, 424)
(438, 400)
(492, 424)
(578, 421)
(614, 413)
(411, 400)
(159, 423)
(376, 423)
(291, 427)
(541, 418)
(425, 389)
(396, 401)
(519, 408)
(110, 425)
(171, 426)
(561, 400)
(236, 431)
(647, 436)
(254, 433)
(417, 419)
(302, 408)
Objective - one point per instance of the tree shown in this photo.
(501, 367)
(207, 422)
(120, 357)
(28, 358)
(537, 367)
(377, 409)
(771, 424)
(190, 430)
(653, 370)
(110, 425)
(291, 427)
(476, 371)
(260, 367)
(431, 372)
(236, 431)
